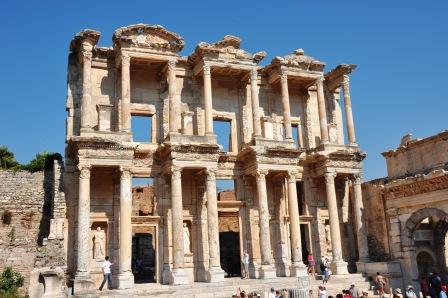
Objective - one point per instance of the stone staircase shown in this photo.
(227, 288)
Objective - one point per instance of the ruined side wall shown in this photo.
(34, 200)
(375, 218)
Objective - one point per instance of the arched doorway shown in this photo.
(425, 264)
(423, 244)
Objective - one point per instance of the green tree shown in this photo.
(7, 160)
(43, 160)
(10, 282)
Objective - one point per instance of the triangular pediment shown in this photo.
(148, 36)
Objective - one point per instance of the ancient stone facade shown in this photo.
(290, 198)
(411, 206)
(32, 235)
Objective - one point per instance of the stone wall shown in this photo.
(35, 201)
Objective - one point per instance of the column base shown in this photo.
(361, 266)
(339, 267)
(178, 277)
(125, 280)
(297, 270)
(215, 274)
(83, 286)
(267, 271)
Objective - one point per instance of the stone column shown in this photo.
(338, 265)
(363, 248)
(255, 102)
(266, 270)
(177, 274)
(125, 93)
(86, 102)
(83, 282)
(348, 111)
(215, 273)
(286, 108)
(208, 106)
(322, 111)
(297, 266)
(174, 104)
(125, 276)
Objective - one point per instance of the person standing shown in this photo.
(424, 286)
(246, 264)
(354, 291)
(311, 264)
(322, 293)
(380, 283)
(443, 292)
(106, 273)
(271, 293)
(410, 293)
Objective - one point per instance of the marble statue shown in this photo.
(186, 239)
(99, 238)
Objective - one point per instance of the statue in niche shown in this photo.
(328, 237)
(99, 238)
(186, 239)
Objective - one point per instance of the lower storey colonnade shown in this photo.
(261, 245)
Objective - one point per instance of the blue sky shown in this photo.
(400, 48)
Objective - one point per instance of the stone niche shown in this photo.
(99, 239)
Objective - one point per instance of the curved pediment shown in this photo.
(148, 36)
(300, 60)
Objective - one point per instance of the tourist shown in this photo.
(380, 283)
(365, 294)
(354, 291)
(424, 287)
(434, 285)
(410, 293)
(311, 264)
(340, 295)
(245, 264)
(322, 293)
(327, 275)
(397, 293)
(277, 294)
(107, 274)
(443, 289)
(271, 293)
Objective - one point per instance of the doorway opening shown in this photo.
(143, 258)
(229, 246)
(425, 264)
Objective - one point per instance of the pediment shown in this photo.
(148, 36)
(299, 60)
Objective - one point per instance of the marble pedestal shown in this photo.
(296, 270)
(215, 274)
(178, 277)
(125, 280)
(83, 286)
(267, 271)
(339, 267)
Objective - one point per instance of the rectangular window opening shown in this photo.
(222, 129)
(142, 128)
(295, 135)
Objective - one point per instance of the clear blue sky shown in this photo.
(400, 48)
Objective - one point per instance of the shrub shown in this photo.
(10, 282)
(6, 217)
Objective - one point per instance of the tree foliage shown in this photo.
(10, 282)
(7, 159)
(43, 161)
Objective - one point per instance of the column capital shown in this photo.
(319, 81)
(345, 81)
(86, 51)
(84, 171)
(125, 172)
(207, 69)
(211, 174)
(125, 59)
(329, 177)
(283, 77)
(176, 172)
(260, 174)
(172, 64)
(254, 74)
(291, 176)
(357, 178)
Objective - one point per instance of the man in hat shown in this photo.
(398, 293)
(354, 291)
(410, 292)
(443, 292)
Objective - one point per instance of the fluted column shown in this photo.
(177, 222)
(174, 104)
(125, 276)
(363, 248)
(208, 106)
(125, 93)
(255, 102)
(322, 111)
(339, 266)
(215, 272)
(286, 108)
(348, 111)
(83, 256)
(86, 102)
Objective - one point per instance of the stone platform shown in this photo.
(228, 287)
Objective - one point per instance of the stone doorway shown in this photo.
(229, 245)
(425, 264)
(143, 258)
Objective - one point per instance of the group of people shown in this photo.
(324, 267)
(352, 292)
(432, 286)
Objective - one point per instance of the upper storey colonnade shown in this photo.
(154, 44)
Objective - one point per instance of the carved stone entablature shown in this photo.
(298, 60)
(142, 160)
(335, 77)
(100, 149)
(154, 37)
(416, 185)
(224, 50)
